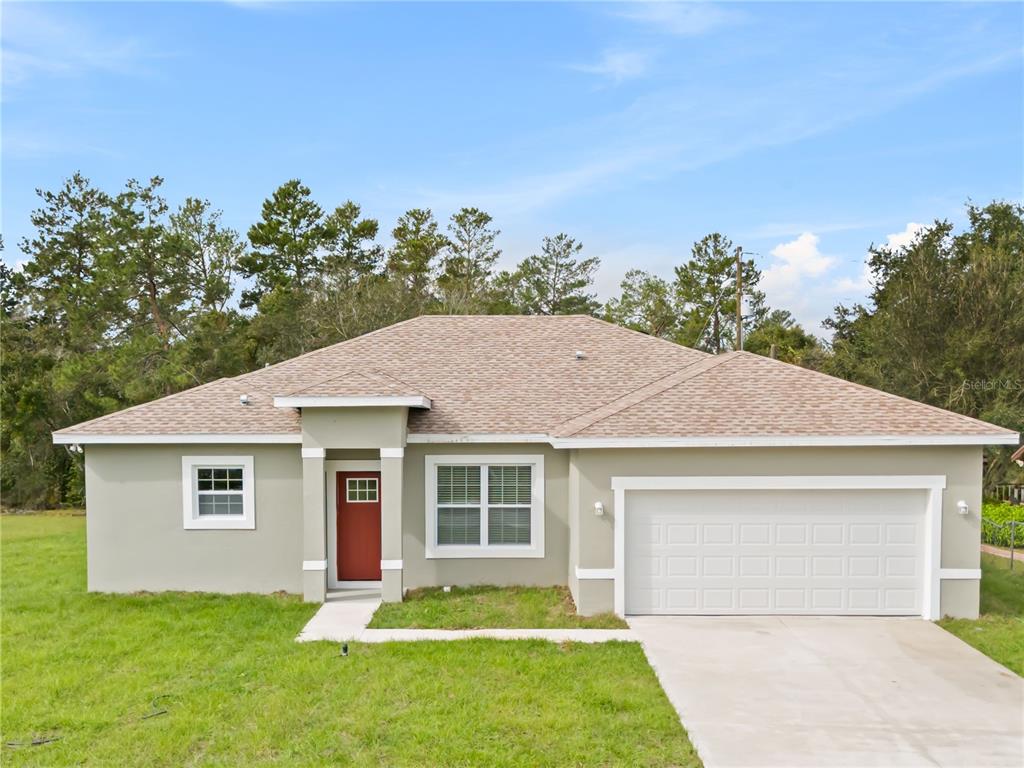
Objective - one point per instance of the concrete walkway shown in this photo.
(803, 691)
(343, 619)
(340, 618)
(1018, 556)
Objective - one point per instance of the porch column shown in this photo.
(314, 526)
(391, 460)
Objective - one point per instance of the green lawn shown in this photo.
(235, 689)
(999, 632)
(479, 607)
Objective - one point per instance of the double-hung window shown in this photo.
(485, 506)
(217, 492)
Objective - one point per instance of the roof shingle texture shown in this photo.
(213, 408)
(521, 375)
(743, 394)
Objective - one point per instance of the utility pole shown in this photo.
(739, 299)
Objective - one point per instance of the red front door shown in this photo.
(358, 545)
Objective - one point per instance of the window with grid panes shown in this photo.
(462, 505)
(219, 491)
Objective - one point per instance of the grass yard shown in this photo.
(487, 607)
(999, 631)
(180, 680)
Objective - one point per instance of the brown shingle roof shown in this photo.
(499, 374)
(521, 375)
(213, 408)
(744, 395)
(355, 383)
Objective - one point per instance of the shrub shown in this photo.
(994, 530)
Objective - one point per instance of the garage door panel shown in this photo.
(681, 535)
(681, 599)
(753, 534)
(716, 534)
(755, 566)
(811, 552)
(681, 567)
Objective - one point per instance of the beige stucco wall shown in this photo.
(136, 539)
(960, 464)
(135, 532)
(353, 427)
(548, 570)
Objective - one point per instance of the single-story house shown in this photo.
(648, 477)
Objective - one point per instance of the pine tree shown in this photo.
(287, 243)
(705, 295)
(412, 258)
(467, 262)
(555, 281)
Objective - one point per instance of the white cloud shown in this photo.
(617, 65)
(41, 42)
(686, 124)
(906, 237)
(793, 280)
(794, 262)
(862, 283)
(682, 19)
(531, 192)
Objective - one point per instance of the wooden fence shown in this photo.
(1011, 492)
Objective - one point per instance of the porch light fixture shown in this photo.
(599, 509)
(962, 508)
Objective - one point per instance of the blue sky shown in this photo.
(805, 132)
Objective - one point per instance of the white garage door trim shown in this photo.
(934, 484)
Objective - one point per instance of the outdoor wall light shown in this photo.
(962, 508)
(599, 509)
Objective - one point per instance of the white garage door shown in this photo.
(785, 552)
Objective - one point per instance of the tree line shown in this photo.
(124, 298)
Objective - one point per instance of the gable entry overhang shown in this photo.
(334, 401)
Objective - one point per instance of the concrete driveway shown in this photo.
(788, 691)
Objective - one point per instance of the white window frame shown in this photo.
(435, 551)
(190, 494)
(376, 490)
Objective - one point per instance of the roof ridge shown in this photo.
(385, 375)
(449, 315)
(141, 405)
(640, 394)
(320, 350)
(944, 411)
(634, 332)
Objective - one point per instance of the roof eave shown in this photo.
(348, 401)
(71, 438)
(784, 441)
(66, 438)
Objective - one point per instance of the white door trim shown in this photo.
(934, 484)
(331, 468)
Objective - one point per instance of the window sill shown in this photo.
(220, 524)
(483, 553)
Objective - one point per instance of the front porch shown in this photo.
(352, 524)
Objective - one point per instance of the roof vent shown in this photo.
(580, 355)
(243, 399)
